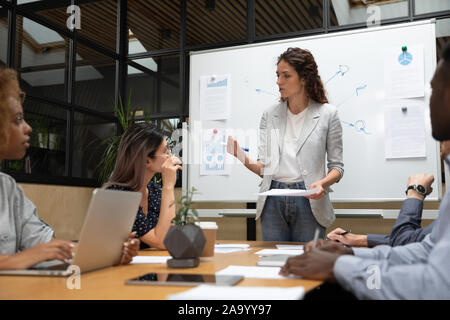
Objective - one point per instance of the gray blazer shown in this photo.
(321, 138)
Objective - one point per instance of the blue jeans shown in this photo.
(288, 218)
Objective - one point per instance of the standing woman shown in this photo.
(296, 136)
(142, 153)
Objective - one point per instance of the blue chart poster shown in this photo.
(214, 153)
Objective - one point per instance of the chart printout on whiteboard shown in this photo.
(404, 130)
(214, 153)
(404, 72)
(215, 96)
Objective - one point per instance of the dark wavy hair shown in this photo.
(138, 142)
(303, 62)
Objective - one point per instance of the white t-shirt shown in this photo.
(288, 169)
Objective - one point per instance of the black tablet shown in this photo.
(184, 279)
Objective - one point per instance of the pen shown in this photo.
(344, 233)
(316, 236)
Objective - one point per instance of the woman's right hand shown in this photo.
(169, 171)
(235, 149)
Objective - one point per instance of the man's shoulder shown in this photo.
(7, 182)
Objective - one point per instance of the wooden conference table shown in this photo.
(109, 283)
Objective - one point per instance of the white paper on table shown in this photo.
(215, 97)
(271, 252)
(289, 192)
(150, 259)
(232, 245)
(209, 292)
(214, 153)
(228, 250)
(290, 246)
(404, 129)
(255, 272)
(404, 72)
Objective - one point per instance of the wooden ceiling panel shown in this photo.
(276, 17)
(156, 23)
(148, 19)
(225, 22)
(98, 21)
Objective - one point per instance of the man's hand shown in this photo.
(425, 180)
(329, 246)
(349, 239)
(316, 264)
(445, 149)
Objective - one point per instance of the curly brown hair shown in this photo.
(9, 88)
(303, 62)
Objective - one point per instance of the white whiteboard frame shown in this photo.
(438, 179)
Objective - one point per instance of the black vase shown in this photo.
(185, 245)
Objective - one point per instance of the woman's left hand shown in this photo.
(130, 249)
(319, 194)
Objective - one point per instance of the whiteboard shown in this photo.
(357, 91)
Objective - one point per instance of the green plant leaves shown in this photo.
(186, 214)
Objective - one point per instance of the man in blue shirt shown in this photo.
(407, 227)
(415, 271)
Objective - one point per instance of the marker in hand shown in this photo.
(245, 149)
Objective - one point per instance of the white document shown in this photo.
(404, 129)
(150, 259)
(289, 192)
(214, 153)
(290, 246)
(215, 97)
(271, 252)
(232, 245)
(255, 272)
(208, 292)
(228, 250)
(404, 72)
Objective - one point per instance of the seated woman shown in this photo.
(25, 240)
(142, 153)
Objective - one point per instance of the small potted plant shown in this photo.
(185, 240)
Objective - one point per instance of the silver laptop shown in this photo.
(107, 225)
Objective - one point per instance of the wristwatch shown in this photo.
(419, 188)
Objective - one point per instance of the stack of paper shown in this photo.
(271, 252)
(289, 192)
(290, 246)
(208, 292)
(150, 259)
(254, 272)
(227, 248)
